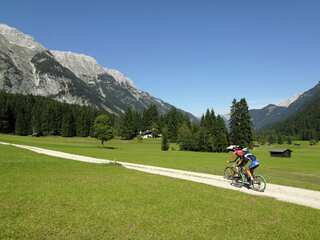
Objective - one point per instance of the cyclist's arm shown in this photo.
(237, 158)
(240, 162)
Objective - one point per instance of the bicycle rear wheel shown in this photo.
(229, 173)
(259, 184)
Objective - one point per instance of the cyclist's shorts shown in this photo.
(243, 163)
(254, 165)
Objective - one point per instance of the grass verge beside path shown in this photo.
(302, 170)
(48, 198)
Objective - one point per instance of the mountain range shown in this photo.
(27, 67)
(272, 113)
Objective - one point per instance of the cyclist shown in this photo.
(239, 154)
(243, 156)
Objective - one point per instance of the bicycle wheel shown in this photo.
(229, 173)
(259, 184)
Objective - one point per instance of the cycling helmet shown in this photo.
(233, 148)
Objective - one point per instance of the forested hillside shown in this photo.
(304, 125)
(27, 114)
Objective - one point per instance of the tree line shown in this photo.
(27, 114)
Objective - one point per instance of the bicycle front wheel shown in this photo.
(229, 173)
(259, 184)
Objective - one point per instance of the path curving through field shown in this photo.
(294, 195)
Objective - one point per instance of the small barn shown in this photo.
(281, 153)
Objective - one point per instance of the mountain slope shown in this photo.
(272, 114)
(304, 124)
(29, 68)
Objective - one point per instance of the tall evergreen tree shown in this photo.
(221, 140)
(240, 123)
(23, 116)
(271, 139)
(68, 123)
(130, 124)
(150, 117)
(280, 139)
(164, 140)
(173, 120)
(5, 114)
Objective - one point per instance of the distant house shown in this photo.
(281, 153)
(149, 134)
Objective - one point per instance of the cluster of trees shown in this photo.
(27, 114)
(132, 122)
(273, 138)
(210, 136)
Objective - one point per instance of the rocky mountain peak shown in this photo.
(14, 36)
(288, 102)
(78, 63)
(119, 77)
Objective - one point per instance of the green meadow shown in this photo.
(49, 198)
(302, 170)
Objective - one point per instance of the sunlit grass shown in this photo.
(49, 198)
(302, 170)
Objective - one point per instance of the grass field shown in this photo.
(48, 198)
(302, 170)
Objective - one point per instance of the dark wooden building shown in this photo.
(281, 153)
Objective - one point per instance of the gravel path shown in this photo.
(294, 195)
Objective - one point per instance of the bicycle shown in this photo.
(240, 178)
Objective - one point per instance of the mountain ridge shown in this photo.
(27, 67)
(273, 113)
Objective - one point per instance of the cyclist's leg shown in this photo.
(252, 167)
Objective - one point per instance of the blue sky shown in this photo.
(193, 54)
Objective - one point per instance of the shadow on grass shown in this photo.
(107, 147)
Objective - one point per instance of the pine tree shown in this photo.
(271, 139)
(221, 140)
(5, 113)
(23, 116)
(130, 124)
(185, 138)
(36, 121)
(173, 120)
(68, 123)
(165, 141)
(150, 117)
(280, 140)
(241, 132)
(207, 131)
(234, 123)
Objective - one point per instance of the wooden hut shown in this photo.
(281, 153)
